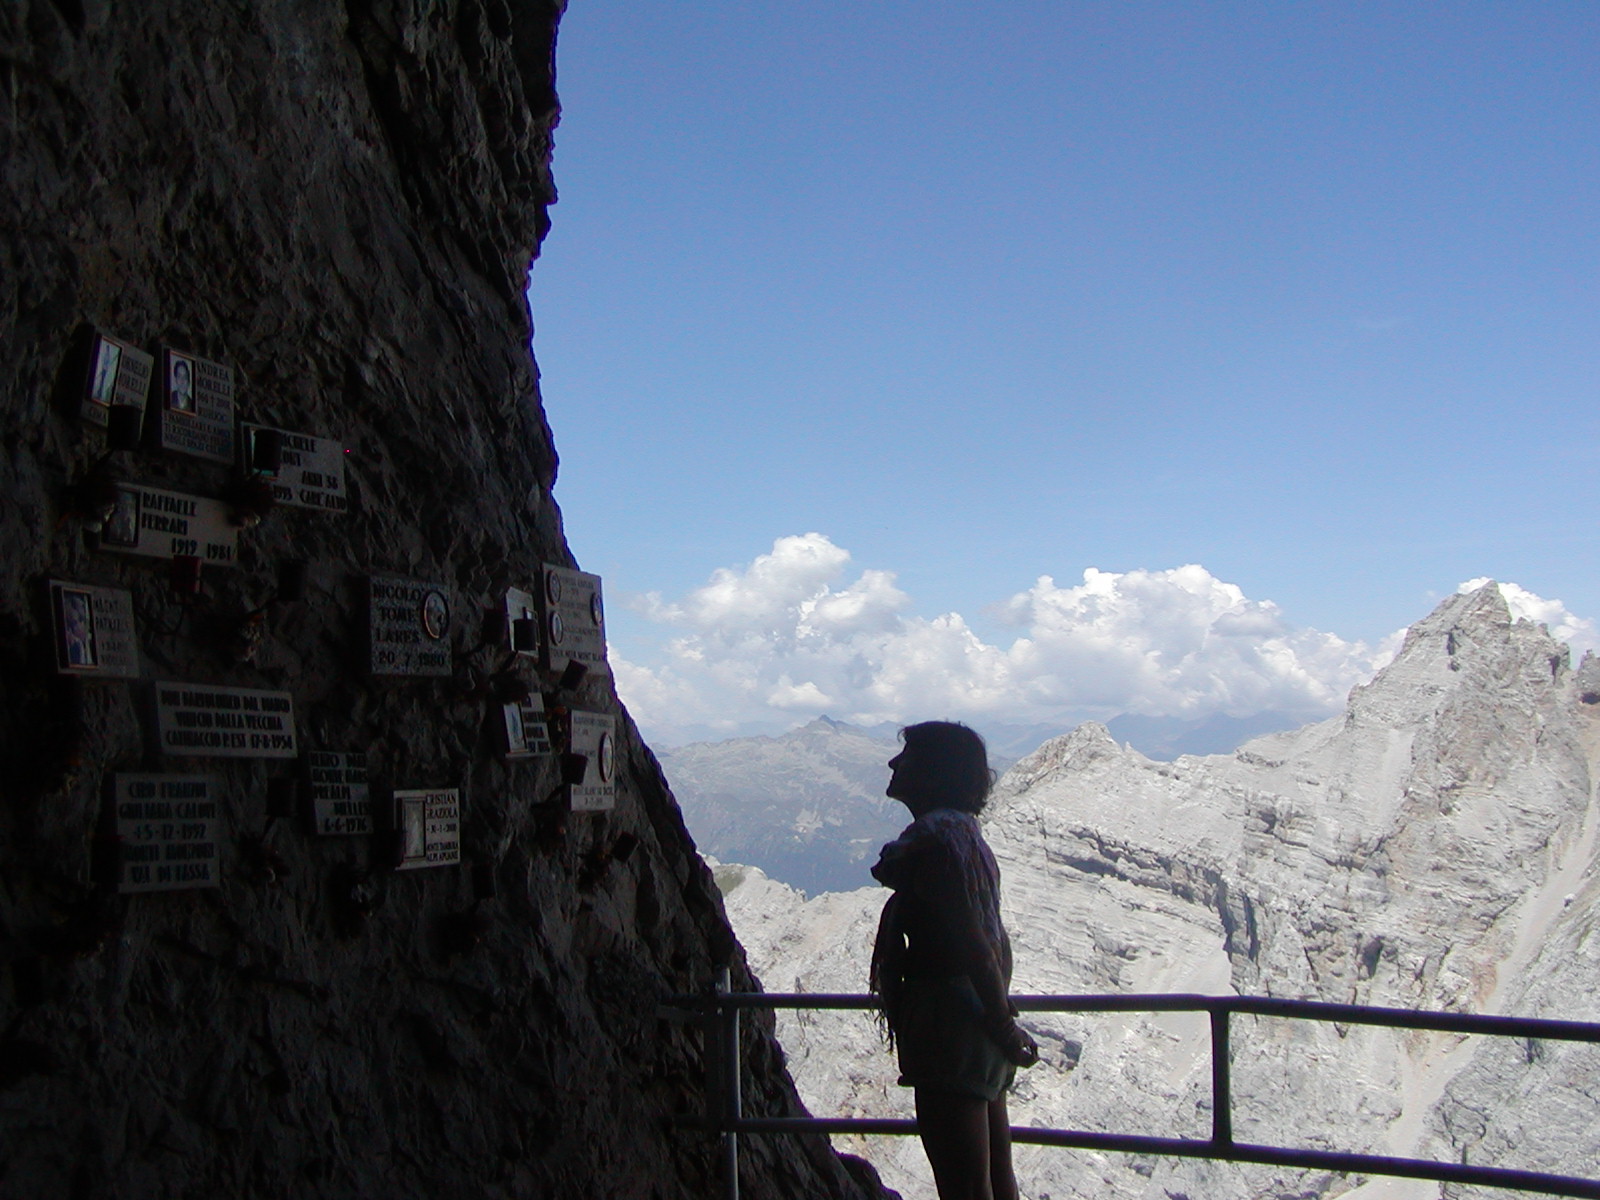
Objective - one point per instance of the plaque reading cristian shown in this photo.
(430, 828)
(195, 415)
(410, 626)
(594, 737)
(310, 471)
(161, 524)
(119, 373)
(527, 731)
(574, 619)
(219, 722)
(169, 826)
(94, 632)
(340, 802)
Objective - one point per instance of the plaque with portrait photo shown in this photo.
(594, 736)
(195, 415)
(573, 619)
(409, 623)
(119, 373)
(527, 731)
(94, 631)
(156, 523)
(429, 826)
(309, 471)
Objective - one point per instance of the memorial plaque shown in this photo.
(160, 524)
(169, 826)
(527, 731)
(220, 722)
(430, 828)
(594, 737)
(523, 606)
(340, 802)
(310, 471)
(119, 373)
(195, 415)
(410, 626)
(94, 631)
(574, 619)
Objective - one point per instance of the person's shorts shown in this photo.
(942, 1044)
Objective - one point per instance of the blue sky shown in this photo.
(1302, 294)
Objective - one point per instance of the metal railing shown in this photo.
(721, 1010)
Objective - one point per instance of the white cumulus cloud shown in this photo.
(801, 632)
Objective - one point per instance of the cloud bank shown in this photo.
(800, 632)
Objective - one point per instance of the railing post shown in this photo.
(1221, 1100)
(729, 1101)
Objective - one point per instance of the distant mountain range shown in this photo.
(808, 807)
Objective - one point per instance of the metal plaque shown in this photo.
(161, 524)
(220, 722)
(119, 373)
(430, 828)
(195, 415)
(574, 619)
(94, 631)
(169, 827)
(594, 737)
(527, 731)
(340, 801)
(410, 626)
(310, 473)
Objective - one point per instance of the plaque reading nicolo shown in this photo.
(527, 731)
(523, 607)
(574, 619)
(430, 828)
(340, 802)
(410, 627)
(219, 722)
(119, 373)
(310, 473)
(94, 631)
(160, 524)
(594, 737)
(195, 415)
(169, 827)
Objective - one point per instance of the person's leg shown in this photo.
(1002, 1179)
(955, 1133)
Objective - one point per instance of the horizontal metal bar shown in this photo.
(1350, 1164)
(1262, 1006)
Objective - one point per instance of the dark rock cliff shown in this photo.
(339, 201)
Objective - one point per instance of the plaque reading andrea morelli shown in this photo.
(160, 524)
(574, 619)
(310, 473)
(594, 737)
(119, 373)
(430, 828)
(94, 631)
(195, 415)
(340, 802)
(410, 626)
(169, 826)
(220, 722)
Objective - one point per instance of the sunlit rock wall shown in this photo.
(341, 202)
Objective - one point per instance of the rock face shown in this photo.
(340, 201)
(1433, 848)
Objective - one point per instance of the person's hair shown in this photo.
(957, 760)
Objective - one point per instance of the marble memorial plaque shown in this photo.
(161, 524)
(94, 631)
(119, 373)
(594, 737)
(195, 415)
(523, 606)
(527, 731)
(574, 619)
(430, 827)
(340, 802)
(170, 827)
(310, 472)
(410, 626)
(222, 722)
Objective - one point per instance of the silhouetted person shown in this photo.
(942, 964)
